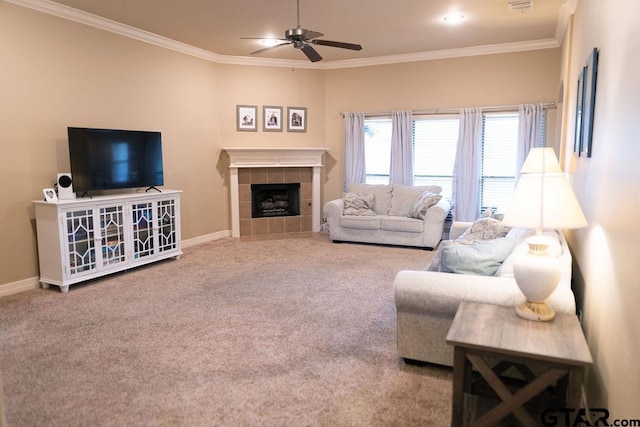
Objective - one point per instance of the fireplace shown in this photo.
(271, 200)
(251, 165)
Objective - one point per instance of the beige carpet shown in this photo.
(288, 332)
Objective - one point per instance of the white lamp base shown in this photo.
(537, 311)
(537, 275)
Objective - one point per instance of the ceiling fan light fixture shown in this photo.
(270, 42)
(453, 18)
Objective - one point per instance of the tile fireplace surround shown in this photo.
(274, 165)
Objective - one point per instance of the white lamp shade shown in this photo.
(545, 202)
(543, 197)
(541, 160)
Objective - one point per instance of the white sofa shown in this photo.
(391, 223)
(426, 301)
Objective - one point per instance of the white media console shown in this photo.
(86, 238)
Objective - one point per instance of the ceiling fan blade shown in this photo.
(342, 45)
(311, 53)
(266, 49)
(263, 38)
(310, 34)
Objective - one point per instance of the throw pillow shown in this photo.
(403, 197)
(426, 200)
(481, 258)
(488, 213)
(484, 229)
(360, 204)
(382, 193)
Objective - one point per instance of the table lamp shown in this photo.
(543, 199)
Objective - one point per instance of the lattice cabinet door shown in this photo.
(112, 235)
(168, 227)
(80, 242)
(142, 215)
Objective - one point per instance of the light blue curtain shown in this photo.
(354, 165)
(401, 167)
(529, 132)
(466, 171)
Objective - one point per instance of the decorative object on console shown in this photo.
(49, 195)
(297, 119)
(543, 199)
(65, 187)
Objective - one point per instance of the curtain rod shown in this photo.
(497, 108)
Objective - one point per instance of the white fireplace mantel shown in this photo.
(281, 157)
(246, 157)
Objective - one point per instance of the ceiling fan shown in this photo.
(302, 39)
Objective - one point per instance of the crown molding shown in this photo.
(567, 9)
(75, 15)
(445, 54)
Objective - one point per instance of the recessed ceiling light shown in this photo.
(454, 18)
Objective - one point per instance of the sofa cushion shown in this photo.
(381, 192)
(481, 257)
(424, 201)
(360, 204)
(360, 222)
(404, 196)
(401, 223)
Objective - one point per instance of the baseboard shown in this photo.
(19, 286)
(206, 238)
(34, 282)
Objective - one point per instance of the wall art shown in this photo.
(247, 118)
(296, 119)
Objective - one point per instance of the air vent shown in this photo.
(520, 5)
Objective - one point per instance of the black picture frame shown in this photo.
(590, 74)
(577, 136)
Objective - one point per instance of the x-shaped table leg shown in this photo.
(512, 402)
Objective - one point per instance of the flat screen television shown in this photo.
(108, 159)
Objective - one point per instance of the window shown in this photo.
(498, 173)
(377, 150)
(434, 149)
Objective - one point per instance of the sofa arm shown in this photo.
(332, 211)
(458, 228)
(440, 293)
(437, 214)
(334, 208)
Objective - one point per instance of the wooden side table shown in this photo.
(491, 339)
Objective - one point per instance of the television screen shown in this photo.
(107, 159)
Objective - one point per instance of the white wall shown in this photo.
(607, 252)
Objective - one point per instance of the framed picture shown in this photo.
(296, 119)
(577, 137)
(50, 195)
(272, 119)
(247, 118)
(590, 74)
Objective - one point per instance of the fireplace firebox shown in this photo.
(271, 200)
